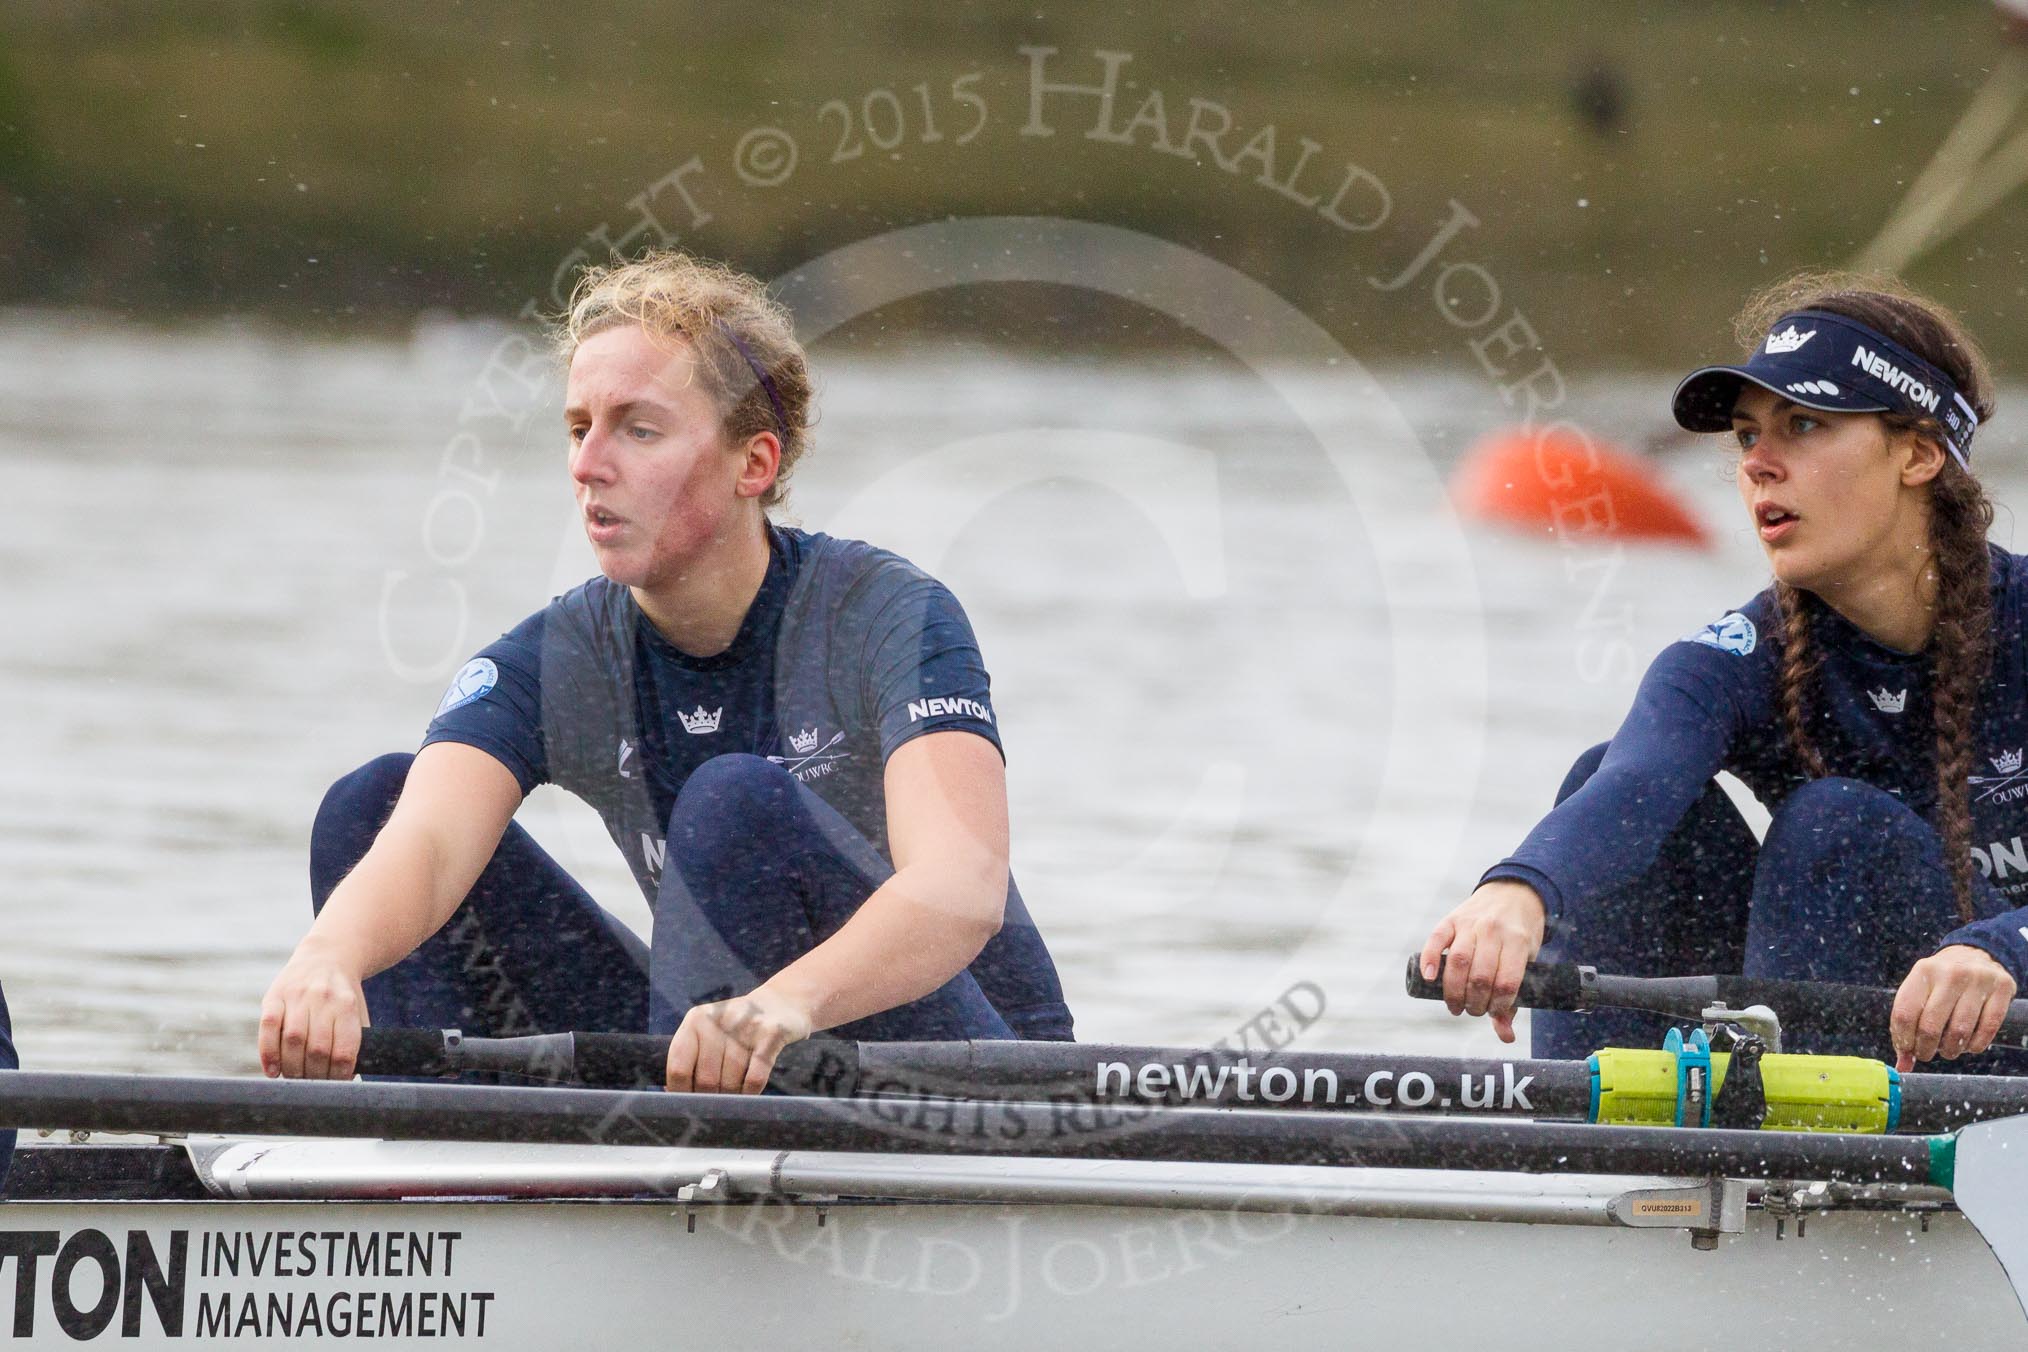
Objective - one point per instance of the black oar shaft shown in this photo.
(1094, 1073)
(166, 1105)
(1079, 1072)
(1945, 1102)
(596, 1060)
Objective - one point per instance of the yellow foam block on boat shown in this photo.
(1633, 1087)
(1849, 1094)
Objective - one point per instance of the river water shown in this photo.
(1270, 706)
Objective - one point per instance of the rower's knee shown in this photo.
(369, 790)
(1836, 819)
(726, 803)
(351, 815)
(1585, 767)
(736, 785)
(1845, 845)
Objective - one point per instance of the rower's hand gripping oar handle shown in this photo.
(1821, 1003)
(598, 1060)
(1545, 985)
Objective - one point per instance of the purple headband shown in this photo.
(774, 399)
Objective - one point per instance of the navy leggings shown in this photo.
(759, 871)
(1849, 886)
(8, 1061)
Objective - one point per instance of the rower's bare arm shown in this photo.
(947, 829)
(1491, 939)
(453, 808)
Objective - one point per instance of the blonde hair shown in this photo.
(743, 340)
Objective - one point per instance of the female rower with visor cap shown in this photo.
(1872, 698)
(790, 738)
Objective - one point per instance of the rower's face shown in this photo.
(1833, 497)
(657, 480)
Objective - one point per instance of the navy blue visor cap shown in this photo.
(1838, 365)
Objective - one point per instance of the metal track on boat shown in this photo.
(244, 1170)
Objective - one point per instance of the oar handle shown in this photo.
(1828, 1005)
(1825, 1004)
(1545, 985)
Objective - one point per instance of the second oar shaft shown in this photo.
(1089, 1073)
(180, 1106)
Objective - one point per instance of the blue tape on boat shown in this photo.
(1672, 1043)
(1693, 1061)
(1893, 1100)
(1591, 1113)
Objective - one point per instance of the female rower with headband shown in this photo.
(789, 736)
(1872, 697)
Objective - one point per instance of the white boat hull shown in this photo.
(1282, 1257)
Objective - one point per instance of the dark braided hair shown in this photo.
(1801, 659)
(1960, 643)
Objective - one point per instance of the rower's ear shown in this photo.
(1922, 455)
(761, 463)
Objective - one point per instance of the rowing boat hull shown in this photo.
(1301, 1259)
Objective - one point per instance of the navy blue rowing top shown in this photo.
(846, 653)
(1709, 703)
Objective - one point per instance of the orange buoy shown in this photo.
(1559, 480)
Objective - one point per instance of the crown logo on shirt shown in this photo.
(699, 723)
(1788, 340)
(1888, 702)
(804, 742)
(2008, 762)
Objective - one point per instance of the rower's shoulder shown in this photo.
(838, 566)
(1743, 631)
(594, 608)
(2010, 575)
(2010, 613)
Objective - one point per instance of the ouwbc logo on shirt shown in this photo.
(812, 755)
(1734, 634)
(478, 676)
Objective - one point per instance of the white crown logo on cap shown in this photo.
(1788, 340)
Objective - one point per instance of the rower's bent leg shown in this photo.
(760, 871)
(527, 951)
(1686, 916)
(1019, 977)
(1852, 888)
(8, 1061)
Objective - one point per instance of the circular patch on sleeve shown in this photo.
(478, 677)
(1734, 634)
